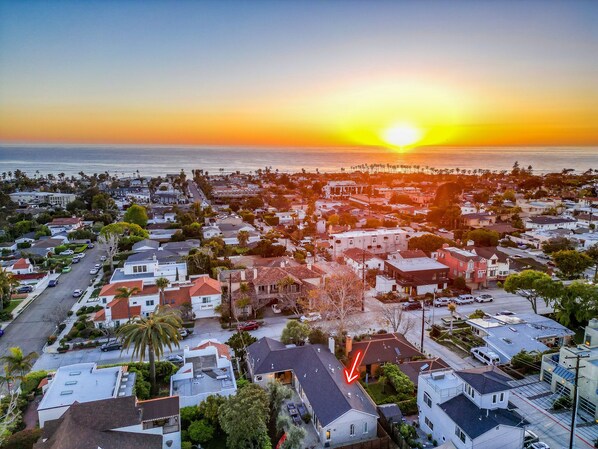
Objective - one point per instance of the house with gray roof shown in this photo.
(150, 265)
(470, 409)
(507, 335)
(342, 413)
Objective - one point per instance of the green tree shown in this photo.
(277, 394)
(239, 342)
(317, 336)
(16, 363)
(208, 408)
(136, 214)
(482, 237)
(243, 237)
(244, 418)
(162, 283)
(199, 263)
(557, 244)
(295, 333)
(201, 431)
(572, 263)
(428, 243)
(7, 283)
(333, 220)
(593, 253)
(575, 302)
(535, 283)
(509, 195)
(151, 335)
(188, 415)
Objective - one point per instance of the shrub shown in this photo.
(5, 316)
(399, 381)
(200, 431)
(31, 381)
(69, 313)
(306, 418)
(61, 327)
(188, 415)
(436, 331)
(52, 339)
(186, 445)
(564, 402)
(25, 439)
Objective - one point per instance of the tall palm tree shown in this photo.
(152, 335)
(16, 364)
(162, 283)
(125, 292)
(7, 283)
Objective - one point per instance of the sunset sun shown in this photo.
(402, 135)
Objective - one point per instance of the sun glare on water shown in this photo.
(402, 135)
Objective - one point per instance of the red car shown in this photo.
(248, 326)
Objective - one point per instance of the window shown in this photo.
(262, 289)
(149, 302)
(365, 427)
(494, 399)
(429, 423)
(427, 399)
(139, 269)
(460, 433)
(470, 391)
(205, 300)
(502, 397)
(328, 434)
(352, 430)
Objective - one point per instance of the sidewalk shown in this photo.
(84, 301)
(28, 300)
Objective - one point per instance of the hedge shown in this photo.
(25, 439)
(399, 380)
(408, 407)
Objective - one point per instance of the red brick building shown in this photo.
(465, 264)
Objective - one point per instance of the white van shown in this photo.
(485, 355)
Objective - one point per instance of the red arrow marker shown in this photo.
(353, 375)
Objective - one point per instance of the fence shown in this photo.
(382, 441)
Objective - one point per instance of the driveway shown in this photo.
(32, 327)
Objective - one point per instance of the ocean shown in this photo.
(126, 160)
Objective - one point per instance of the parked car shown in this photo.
(81, 255)
(111, 346)
(484, 298)
(93, 271)
(67, 269)
(485, 355)
(68, 252)
(77, 293)
(248, 326)
(176, 359)
(312, 316)
(53, 283)
(25, 289)
(464, 299)
(412, 305)
(442, 301)
(1, 332)
(276, 308)
(103, 258)
(505, 312)
(529, 439)
(97, 266)
(90, 245)
(539, 445)
(184, 333)
(76, 260)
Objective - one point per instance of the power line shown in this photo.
(577, 358)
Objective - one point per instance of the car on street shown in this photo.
(184, 333)
(77, 293)
(81, 255)
(75, 260)
(68, 252)
(485, 355)
(176, 359)
(67, 269)
(25, 289)
(1, 332)
(90, 245)
(93, 271)
(248, 326)
(103, 258)
(53, 283)
(539, 445)
(276, 308)
(484, 298)
(309, 317)
(505, 313)
(464, 299)
(442, 301)
(111, 346)
(412, 305)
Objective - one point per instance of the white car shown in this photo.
(81, 255)
(276, 308)
(464, 299)
(77, 293)
(442, 301)
(93, 271)
(484, 298)
(103, 258)
(312, 316)
(539, 445)
(68, 252)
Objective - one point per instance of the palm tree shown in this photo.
(7, 282)
(17, 364)
(162, 283)
(243, 237)
(152, 335)
(124, 292)
(452, 307)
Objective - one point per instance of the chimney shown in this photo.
(242, 275)
(348, 345)
(254, 273)
(309, 266)
(331, 344)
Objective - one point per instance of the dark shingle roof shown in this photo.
(159, 408)
(161, 256)
(476, 421)
(320, 374)
(486, 379)
(90, 425)
(391, 348)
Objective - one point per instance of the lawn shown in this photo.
(376, 392)
(13, 304)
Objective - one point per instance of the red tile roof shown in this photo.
(65, 221)
(358, 255)
(120, 309)
(205, 285)
(21, 263)
(223, 350)
(112, 289)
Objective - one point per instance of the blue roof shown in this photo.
(564, 373)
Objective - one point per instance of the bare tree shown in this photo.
(338, 297)
(395, 317)
(289, 295)
(109, 242)
(10, 413)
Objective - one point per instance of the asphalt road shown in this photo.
(31, 328)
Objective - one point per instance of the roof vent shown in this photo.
(71, 382)
(75, 373)
(424, 367)
(66, 392)
(349, 394)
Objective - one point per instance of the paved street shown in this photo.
(32, 327)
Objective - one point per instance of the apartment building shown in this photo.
(412, 273)
(464, 264)
(376, 241)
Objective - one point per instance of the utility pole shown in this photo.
(423, 325)
(363, 274)
(577, 358)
